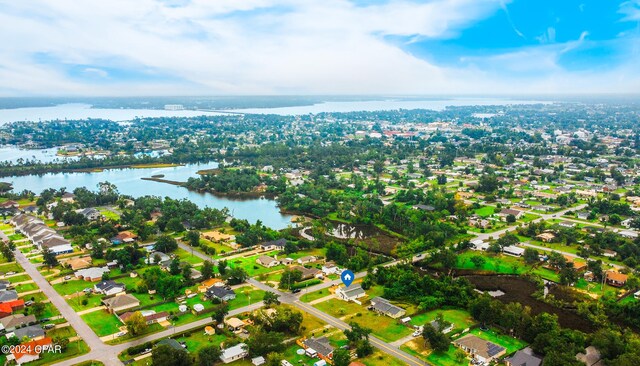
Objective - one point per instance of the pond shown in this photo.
(520, 290)
(129, 182)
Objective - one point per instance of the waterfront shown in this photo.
(129, 182)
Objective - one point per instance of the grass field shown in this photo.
(102, 322)
(74, 349)
(382, 326)
(485, 211)
(26, 287)
(10, 267)
(92, 302)
(252, 296)
(499, 263)
(72, 286)
(110, 215)
(315, 295)
(461, 319)
(510, 343)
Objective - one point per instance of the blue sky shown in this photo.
(196, 47)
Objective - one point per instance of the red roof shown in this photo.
(31, 348)
(15, 303)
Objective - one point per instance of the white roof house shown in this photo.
(513, 250)
(234, 353)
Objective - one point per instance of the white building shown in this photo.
(234, 353)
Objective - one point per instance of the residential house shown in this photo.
(629, 234)
(258, 361)
(119, 303)
(513, 250)
(567, 224)
(11, 322)
(424, 207)
(307, 259)
(524, 357)
(329, 268)
(318, 347)
(78, 263)
(92, 274)
(220, 293)
(286, 261)
(546, 237)
(237, 352)
(109, 287)
(234, 324)
(350, 293)
(266, 261)
(479, 349)
(90, 213)
(583, 215)
(383, 306)
(32, 332)
(616, 279)
(57, 245)
(173, 344)
(307, 273)
(150, 316)
(124, 237)
(9, 307)
(436, 325)
(479, 244)
(68, 197)
(8, 296)
(273, 245)
(30, 351)
(156, 257)
(508, 211)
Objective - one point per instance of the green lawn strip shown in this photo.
(242, 298)
(90, 363)
(460, 319)
(511, 344)
(64, 332)
(485, 211)
(153, 328)
(71, 287)
(102, 322)
(498, 263)
(187, 256)
(21, 278)
(74, 349)
(26, 287)
(384, 327)
(315, 295)
(10, 267)
(110, 215)
(92, 302)
(379, 358)
(198, 339)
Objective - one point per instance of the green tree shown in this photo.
(207, 270)
(208, 355)
(289, 278)
(531, 256)
(271, 298)
(136, 324)
(192, 237)
(438, 341)
(478, 261)
(341, 357)
(166, 244)
(49, 258)
(165, 355)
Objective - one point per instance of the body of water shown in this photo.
(381, 105)
(129, 182)
(84, 111)
(14, 154)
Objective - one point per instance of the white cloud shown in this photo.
(246, 47)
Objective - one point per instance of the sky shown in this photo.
(318, 47)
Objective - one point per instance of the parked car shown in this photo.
(295, 291)
(28, 303)
(48, 326)
(67, 277)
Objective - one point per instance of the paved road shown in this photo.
(292, 299)
(496, 234)
(98, 349)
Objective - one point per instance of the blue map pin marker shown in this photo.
(347, 277)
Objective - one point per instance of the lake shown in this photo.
(129, 182)
(84, 111)
(381, 105)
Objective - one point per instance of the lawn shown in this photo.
(110, 215)
(379, 358)
(498, 263)
(485, 211)
(92, 302)
(461, 319)
(384, 327)
(102, 322)
(74, 349)
(418, 349)
(315, 295)
(71, 287)
(10, 267)
(510, 343)
(20, 278)
(198, 339)
(187, 257)
(242, 299)
(26, 287)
